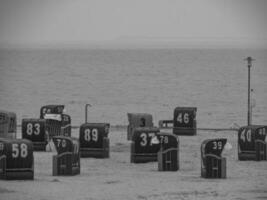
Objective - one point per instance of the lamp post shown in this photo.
(86, 110)
(249, 60)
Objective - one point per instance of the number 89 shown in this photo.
(91, 135)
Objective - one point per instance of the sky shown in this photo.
(184, 22)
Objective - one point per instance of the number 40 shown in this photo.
(246, 135)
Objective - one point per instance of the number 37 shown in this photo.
(144, 137)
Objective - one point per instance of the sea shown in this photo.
(117, 81)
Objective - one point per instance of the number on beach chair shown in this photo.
(94, 140)
(8, 124)
(142, 148)
(67, 161)
(35, 131)
(183, 123)
(251, 143)
(16, 159)
(138, 120)
(168, 155)
(213, 165)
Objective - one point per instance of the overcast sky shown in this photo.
(34, 22)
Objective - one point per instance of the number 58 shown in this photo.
(19, 150)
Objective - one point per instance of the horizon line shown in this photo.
(147, 42)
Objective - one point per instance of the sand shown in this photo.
(117, 178)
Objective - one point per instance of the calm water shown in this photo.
(134, 80)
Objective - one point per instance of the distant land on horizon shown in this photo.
(151, 42)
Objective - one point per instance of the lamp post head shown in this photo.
(249, 60)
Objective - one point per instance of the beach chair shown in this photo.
(67, 160)
(57, 123)
(35, 131)
(142, 148)
(213, 165)
(138, 120)
(252, 143)
(93, 138)
(168, 155)
(16, 159)
(8, 124)
(183, 122)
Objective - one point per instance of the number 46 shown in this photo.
(183, 118)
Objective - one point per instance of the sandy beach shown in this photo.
(127, 56)
(117, 178)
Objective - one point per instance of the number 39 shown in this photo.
(217, 145)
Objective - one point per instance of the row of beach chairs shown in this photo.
(148, 142)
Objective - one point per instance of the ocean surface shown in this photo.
(118, 81)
